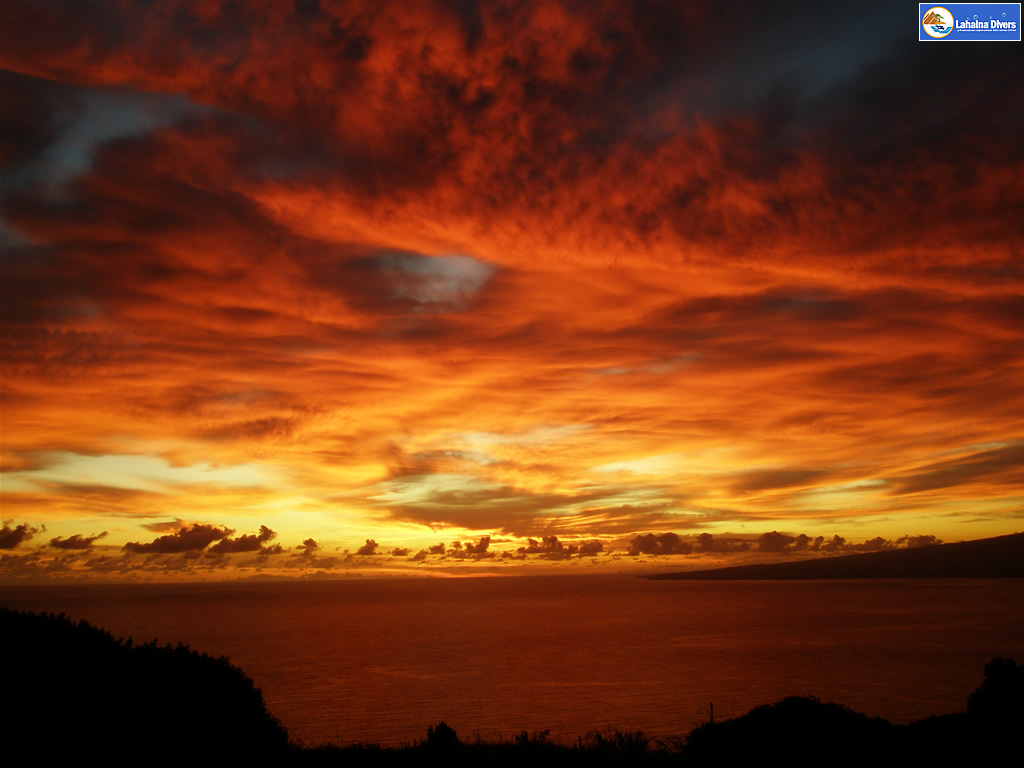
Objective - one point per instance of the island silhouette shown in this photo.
(1001, 557)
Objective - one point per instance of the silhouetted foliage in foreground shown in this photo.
(1000, 699)
(72, 691)
(789, 730)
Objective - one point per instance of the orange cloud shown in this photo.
(364, 271)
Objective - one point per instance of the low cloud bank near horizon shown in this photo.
(203, 548)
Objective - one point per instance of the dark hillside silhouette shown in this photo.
(802, 731)
(799, 730)
(72, 690)
(997, 558)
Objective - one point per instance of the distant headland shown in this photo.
(1001, 557)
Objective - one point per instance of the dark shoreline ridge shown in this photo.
(1001, 557)
(73, 691)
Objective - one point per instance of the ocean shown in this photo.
(378, 660)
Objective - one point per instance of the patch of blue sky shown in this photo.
(100, 115)
(435, 280)
(661, 366)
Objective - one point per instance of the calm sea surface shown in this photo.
(381, 659)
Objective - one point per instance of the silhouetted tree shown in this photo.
(1000, 697)
(441, 735)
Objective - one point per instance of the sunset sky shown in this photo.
(310, 286)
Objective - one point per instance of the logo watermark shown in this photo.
(967, 22)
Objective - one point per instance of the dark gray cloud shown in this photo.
(112, 564)
(773, 541)
(369, 548)
(479, 550)
(33, 564)
(248, 543)
(835, 544)
(770, 542)
(12, 537)
(78, 541)
(185, 540)
(550, 548)
(877, 544)
(591, 548)
(660, 544)
(309, 547)
(706, 542)
(912, 542)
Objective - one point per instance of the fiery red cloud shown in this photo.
(364, 271)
